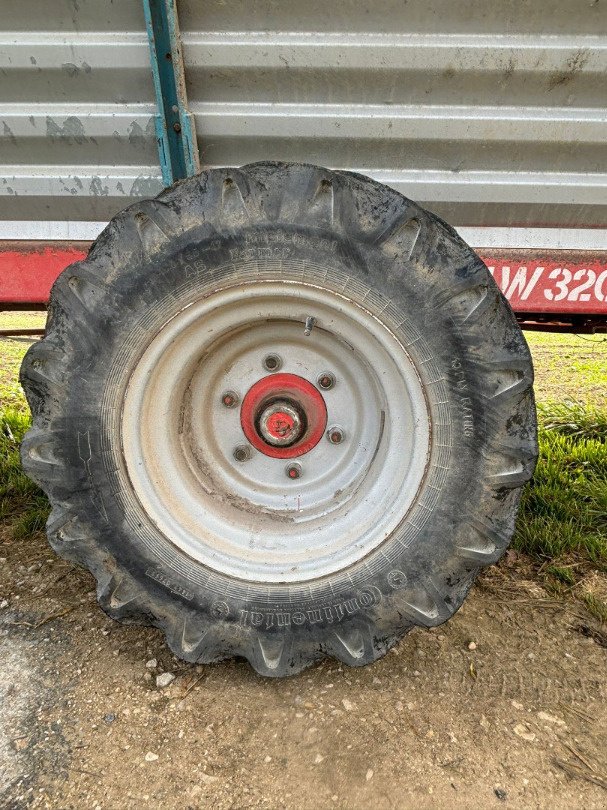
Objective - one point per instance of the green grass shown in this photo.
(564, 509)
(573, 419)
(23, 506)
(597, 607)
(569, 367)
(562, 524)
(11, 354)
(561, 574)
(12, 351)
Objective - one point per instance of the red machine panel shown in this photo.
(548, 286)
(28, 269)
(560, 282)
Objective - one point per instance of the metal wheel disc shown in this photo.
(238, 507)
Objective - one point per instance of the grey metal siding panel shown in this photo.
(490, 113)
(77, 103)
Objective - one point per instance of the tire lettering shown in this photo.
(396, 579)
(159, 576)
(256, 253)
(283, 619)
(220, 610)
(350, 605)
(467, 416)
(339, 612)
(364, 599)
(197, 266)
(464, 403)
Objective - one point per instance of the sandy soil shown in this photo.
(519, 720)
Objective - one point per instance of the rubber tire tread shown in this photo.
(389, 253)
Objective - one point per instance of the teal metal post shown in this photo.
(175, 129)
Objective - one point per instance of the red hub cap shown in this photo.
(283, 416)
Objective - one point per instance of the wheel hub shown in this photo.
(280, 424)
(283, 415)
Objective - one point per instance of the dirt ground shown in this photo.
(503, 706)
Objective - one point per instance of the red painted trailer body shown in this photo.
(553, 287)
(29, 269)
(558, 288)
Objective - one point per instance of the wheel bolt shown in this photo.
(230, 399)
(242, 452)
(326, 380)
(272, 362)
(335, 435)
(293, 471)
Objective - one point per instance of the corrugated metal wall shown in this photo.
(490, 113)
(76, 109)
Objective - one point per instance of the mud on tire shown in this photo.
(308, 234)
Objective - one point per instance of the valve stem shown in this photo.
(310, 321)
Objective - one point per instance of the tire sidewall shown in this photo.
(382, 586)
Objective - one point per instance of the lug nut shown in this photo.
(242, 452)
(326, 380)
(230, 399)
(335, 435)
(293, 471)
(272, 362)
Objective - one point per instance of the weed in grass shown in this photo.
(22, 504)
(563, 574)
(570, 418)
(596, 607)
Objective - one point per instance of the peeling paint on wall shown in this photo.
(146, 187)
(136, 135)
(97, 189)
(8, 133)
(71, 130)
(73, 70)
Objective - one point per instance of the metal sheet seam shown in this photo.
(587, 239)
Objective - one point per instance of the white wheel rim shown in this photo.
(247, 519)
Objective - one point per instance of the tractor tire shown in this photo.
(281, 413)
